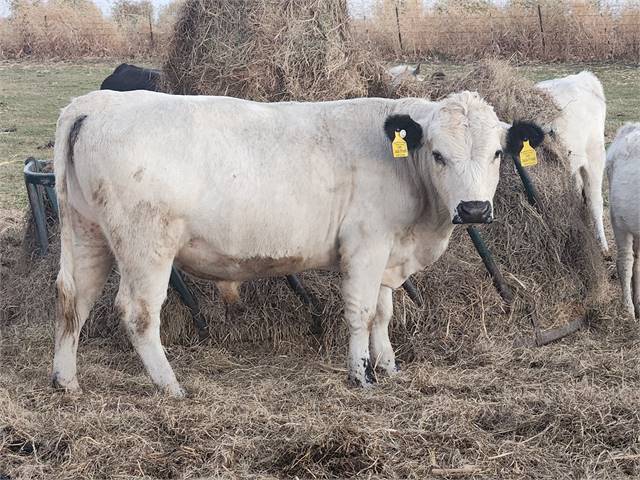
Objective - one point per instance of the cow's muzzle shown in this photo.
(473, 212)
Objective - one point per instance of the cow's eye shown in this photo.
(437, 156)
(498, 154)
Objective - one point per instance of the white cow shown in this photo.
(623, 170)
(580, 126)
(399, 73)
(233, 190)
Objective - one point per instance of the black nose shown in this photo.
(473, 212)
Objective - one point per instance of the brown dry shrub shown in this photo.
(269, 50)
(56, 28)
(59, 29)
(571, 29)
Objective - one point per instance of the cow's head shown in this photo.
(457, 147)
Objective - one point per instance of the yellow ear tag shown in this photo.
(528, 156)
(399, 145)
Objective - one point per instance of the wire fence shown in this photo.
(552, 31)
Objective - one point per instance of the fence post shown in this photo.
(544, 46)
(398, 25)
(151, 30)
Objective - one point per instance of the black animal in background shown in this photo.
(130, 77)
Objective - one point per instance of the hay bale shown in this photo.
(265, 50)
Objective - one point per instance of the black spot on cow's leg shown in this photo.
(369, 374)
(55, 383)
(396, 367)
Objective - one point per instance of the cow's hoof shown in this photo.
(389, 368)
(361, 383)
(393, 370)
(70, 386)
(175, 391)
(363, 376)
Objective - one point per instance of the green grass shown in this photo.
(621, 87)
(31, 96)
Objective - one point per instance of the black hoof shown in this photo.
(55, 383)
(369, 375)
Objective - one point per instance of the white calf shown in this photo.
(581, 128)
(623, 170)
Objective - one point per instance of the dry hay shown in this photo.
(566, 411)
(268, 50)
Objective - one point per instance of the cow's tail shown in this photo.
(67, 132)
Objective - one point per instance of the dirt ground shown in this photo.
(284, 410)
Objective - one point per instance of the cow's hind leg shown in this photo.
(382, 355)
(145, 262)
(84, 266)
(624, 242)
(592, 174)
(636, 276)
(140, 296)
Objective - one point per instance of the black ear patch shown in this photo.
(395, 123)
(521, 131)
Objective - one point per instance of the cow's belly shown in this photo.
(203, 259)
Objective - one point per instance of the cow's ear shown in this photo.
(521, 131)
(413, 130)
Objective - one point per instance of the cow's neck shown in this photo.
(433, 229)
(426, 234)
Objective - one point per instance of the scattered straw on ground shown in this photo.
(566, 410)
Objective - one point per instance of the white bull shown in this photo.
(233, 190)
(580, 126)
(623, 171)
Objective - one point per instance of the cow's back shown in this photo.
(581, 122)
(272, 179)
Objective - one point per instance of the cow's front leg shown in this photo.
(382, 355)
(360, 286)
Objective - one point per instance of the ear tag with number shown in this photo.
(399, 145)
(528, 156)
